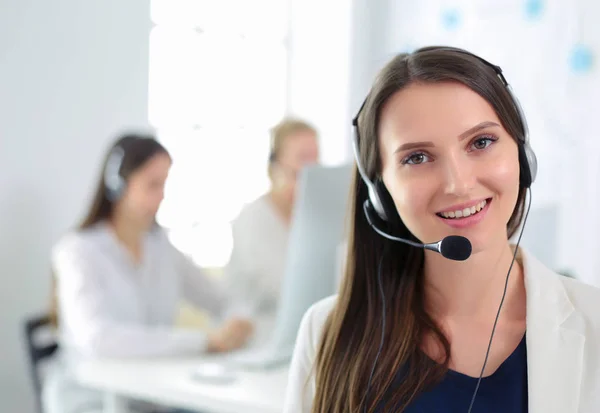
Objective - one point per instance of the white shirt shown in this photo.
(111, 307)
(257, 264)
(563, 341)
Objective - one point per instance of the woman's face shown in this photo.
(449, 165)
(296, 152)
(145, 189)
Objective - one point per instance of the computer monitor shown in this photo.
(317, 229)
(312, 262)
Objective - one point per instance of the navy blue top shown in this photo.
(502, 392)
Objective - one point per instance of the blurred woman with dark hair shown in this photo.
(119, 281)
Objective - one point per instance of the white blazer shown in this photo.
(563, 345)
(111, 307)
(257, 264)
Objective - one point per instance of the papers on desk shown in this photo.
(213, 373)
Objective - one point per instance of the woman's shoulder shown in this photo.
(299, 396)
(256, 210)
(78, 240)
(579, 288)
(544, 284)
(311, 327)
(584, 297)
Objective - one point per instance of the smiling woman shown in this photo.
(467, 158)
(442, 151)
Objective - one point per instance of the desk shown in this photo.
(168, 382)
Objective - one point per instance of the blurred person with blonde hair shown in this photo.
(260, 232)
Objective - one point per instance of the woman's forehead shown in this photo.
(433, 111)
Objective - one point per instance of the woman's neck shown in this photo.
(283, 205)
(473, 289)
(129, 235)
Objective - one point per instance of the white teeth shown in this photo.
(465, 212)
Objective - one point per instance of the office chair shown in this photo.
(38, 352)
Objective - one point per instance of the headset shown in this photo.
(379, 205)
(272, 157)
(114, 184)
(379, 199)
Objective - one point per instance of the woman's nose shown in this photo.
(458, 176)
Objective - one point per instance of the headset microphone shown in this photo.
(453, 247)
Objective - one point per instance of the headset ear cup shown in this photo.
(117, 193)
(531, 162)
(387, 203)
(527, 158)
(114, 193)
(114, 183)
(527, 165)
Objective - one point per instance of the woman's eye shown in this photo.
(483, 142)
(415, 159)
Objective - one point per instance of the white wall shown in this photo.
(72, 74)
(320, 71)
(336, 50)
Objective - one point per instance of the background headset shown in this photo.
(380, 202)
(114, 183)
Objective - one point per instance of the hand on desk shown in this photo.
(232, 335)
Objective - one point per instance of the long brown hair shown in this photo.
(136, 151)
(349, 343)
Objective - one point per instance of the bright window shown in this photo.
(218, 83)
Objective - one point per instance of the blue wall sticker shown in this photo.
(534, 9)
(581, 59)
(451, 19)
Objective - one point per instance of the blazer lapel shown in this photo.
(555, 343)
